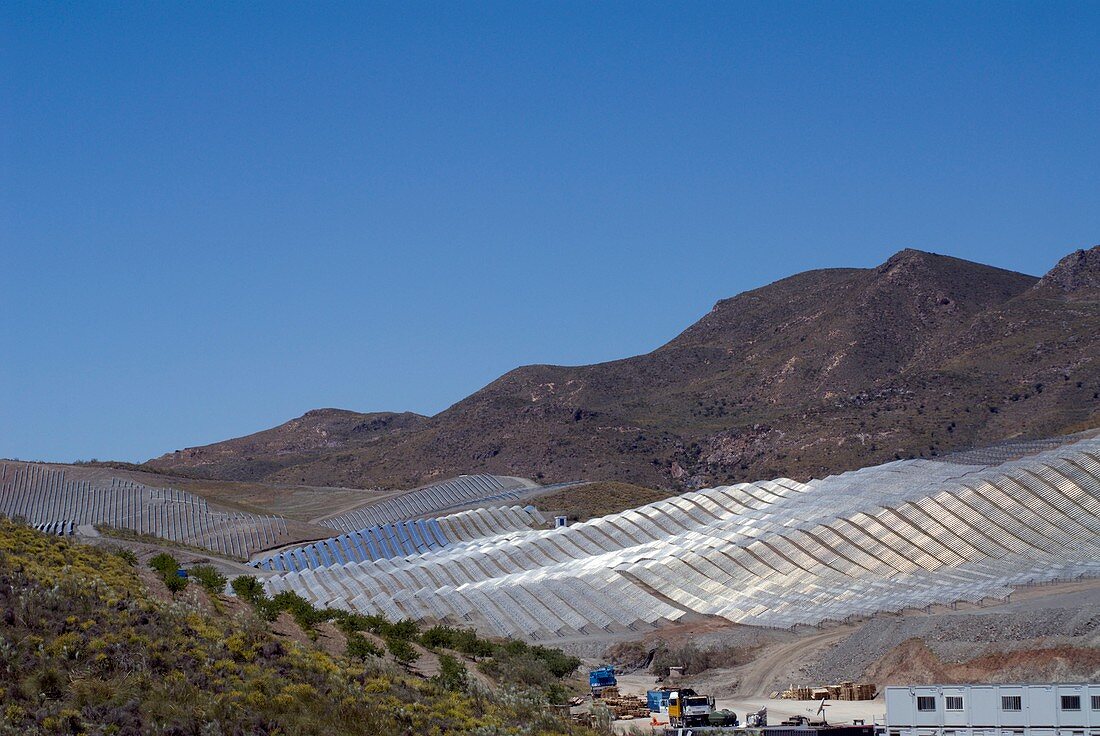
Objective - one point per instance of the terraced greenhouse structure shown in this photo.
(403, 538)
(774, 553)
(51, 500)
(437, 498)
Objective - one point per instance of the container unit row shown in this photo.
(1052, 709)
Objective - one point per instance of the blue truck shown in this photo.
(601, 678)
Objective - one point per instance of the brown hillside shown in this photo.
(820, 372)
(590, 500)
(312, 435)
(912, 662)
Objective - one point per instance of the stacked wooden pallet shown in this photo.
(844, 691)
(623, 707)
(855, 691)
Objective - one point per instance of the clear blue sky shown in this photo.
(214, 217)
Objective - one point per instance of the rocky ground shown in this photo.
(1066, 619)
(1042, 633)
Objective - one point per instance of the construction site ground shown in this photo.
(1049, 632)
(837, 711)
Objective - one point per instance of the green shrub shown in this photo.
(532, 666)
(127, 554)
(175, 583)
(460, 640)
(302, 610)
(349, 622)
(401, 650)
(468, 642)
(556, 693)
(438, 637)
(360, 647)
(164, 563)
(452, 675)
(209, 578)
(558, 662)
(376, 623)
(248, 588)
(404, 629)
(167, 566)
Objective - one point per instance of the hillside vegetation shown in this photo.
(87, 647)
(590, 500)
(821, 372)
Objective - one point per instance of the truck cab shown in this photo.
(688, 708)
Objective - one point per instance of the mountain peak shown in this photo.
(934, 287)
(912, 267)
(906, 259)
(1077, 273)
(908, 255)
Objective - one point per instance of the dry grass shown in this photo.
(592, 500)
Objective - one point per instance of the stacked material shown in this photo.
(778, 553)
(43, 497)
(465, 490)
(843, 691)
(854, 691)
(797, 692)
(623, 707)
(403, 538)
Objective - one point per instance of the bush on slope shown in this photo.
(85, 649)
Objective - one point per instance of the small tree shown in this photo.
(164, 563)
(209, 578)
(401, 650)
(360, 647)
(168, 567)
(452, 675)
(404, 629)
(248, 588)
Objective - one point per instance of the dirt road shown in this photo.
(765, 674)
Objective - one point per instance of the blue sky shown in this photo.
(214, 217)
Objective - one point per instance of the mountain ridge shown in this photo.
(815, 373)
(292, 442)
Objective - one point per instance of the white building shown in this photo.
(993, 710)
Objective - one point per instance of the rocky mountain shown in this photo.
(817, 373)
(302, 440)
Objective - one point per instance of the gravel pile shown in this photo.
(954, 637)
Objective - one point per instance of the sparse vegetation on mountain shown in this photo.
(209, 578)
(512, 662)
(587, 501)
(821, 372)
(86, 649)
(168, 568)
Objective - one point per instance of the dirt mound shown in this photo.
(913, 663)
